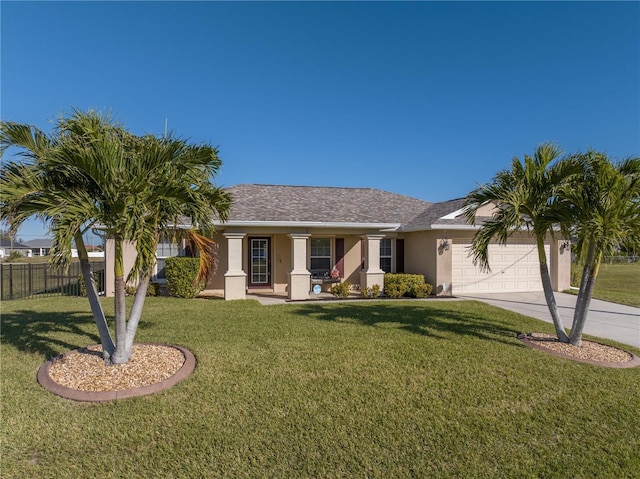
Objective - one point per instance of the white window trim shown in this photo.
(332, 249)
(393, 253)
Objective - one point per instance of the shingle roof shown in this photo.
(5, 243)
(434, 214)
(40, 243)
(277, 203)
(322, 204)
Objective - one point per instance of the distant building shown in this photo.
(40, 247)
(7, 247)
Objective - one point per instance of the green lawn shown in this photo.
(353, 389)
(618, 283)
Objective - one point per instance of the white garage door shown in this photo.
(514, 268)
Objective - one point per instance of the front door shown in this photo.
(259, 262)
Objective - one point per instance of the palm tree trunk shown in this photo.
(587, 285)
(120, 355)
(94, 301)
(136, 312)
(548, 293)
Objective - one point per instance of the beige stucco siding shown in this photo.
(352, 259)
(421, 256)
(417, 256)
(129, 254)
(217, 281)
(561, 274)
(424, 253)
(280, 262)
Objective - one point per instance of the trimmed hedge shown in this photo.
(181, 272)
(397, 285)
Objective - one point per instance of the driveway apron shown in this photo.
(604, 320)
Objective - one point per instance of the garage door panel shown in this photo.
(514, 268)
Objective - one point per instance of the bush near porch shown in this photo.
(397, 285)
(181, 272)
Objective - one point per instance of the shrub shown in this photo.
(372, 292)
(397, 285)
(14, 255)
(394, 290)
(152, 290)
(97, 277)
(420, 290)
(181, 273)
(340, 290)
(576, 276)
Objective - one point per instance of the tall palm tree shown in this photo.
(134, 187)
(525, 199)
(31, 188)
(605, 204)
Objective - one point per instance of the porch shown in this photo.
(291, 265)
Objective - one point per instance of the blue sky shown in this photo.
(425, 99)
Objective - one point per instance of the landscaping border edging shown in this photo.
(634, 362)
(46, 382)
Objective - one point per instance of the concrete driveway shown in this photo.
(605, 320)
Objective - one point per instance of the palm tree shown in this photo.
(525, 199)
(605, 203)
(93, 172)
(31, 188)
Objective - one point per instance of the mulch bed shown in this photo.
(82, 376)
(590, 352)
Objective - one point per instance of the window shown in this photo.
(320, 254)
(259, 261)
(385, 255)
(166, 248)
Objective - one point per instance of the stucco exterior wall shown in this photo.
(486, 210)
(352, 259)
(424, 254)
(419, 255)
(280, 262)
(217, 281)
(129, 254)
(561, 256)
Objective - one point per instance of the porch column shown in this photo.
(299, 277)
(235, 279)
(371, 274)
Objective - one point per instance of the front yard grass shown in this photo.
(617, 283)
(354, 389)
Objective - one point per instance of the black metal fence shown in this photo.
(621, 259)
(26, 280)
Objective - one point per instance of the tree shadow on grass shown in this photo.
(49, 333)
(468, 318)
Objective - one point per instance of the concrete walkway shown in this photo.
(604, 320)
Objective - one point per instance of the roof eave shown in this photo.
(309, 224)
(439, 226)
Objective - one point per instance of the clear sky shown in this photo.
(425, 99)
